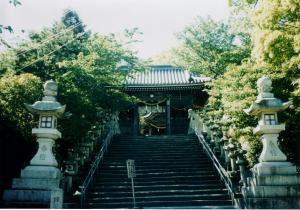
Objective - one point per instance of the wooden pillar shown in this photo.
(168, 113)
(135, 120)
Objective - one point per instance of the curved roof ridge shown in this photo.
(164, 75)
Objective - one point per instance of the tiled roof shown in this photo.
(164, 75)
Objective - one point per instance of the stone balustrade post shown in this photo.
(241, 162)
(85, 150)
(71, 169)
(216, 146)
(233, 156)
(226, 154)
(205, 126)
(80, 156)
(223, 142)
(208, 131)
(77, 157)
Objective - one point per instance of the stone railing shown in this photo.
(226, 155)
(90, 151)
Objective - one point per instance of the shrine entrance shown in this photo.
(152, 119)
(165, 94)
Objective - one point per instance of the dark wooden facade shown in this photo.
(172, 91)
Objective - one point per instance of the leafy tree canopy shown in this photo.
(208, 47)
(274, 37)
(260, 38)
(83, 64)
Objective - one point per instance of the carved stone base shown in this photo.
(32, 198)
(272, 203)
(273, 185)
(41, 172)
(271, 168)
(38, 186)
(272, 191)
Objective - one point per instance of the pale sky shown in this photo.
(159, 20)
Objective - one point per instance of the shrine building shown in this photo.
(165, 94)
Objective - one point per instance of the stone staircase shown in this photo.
(171, 172)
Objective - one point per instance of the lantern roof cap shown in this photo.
(48, 105)
(265, 101)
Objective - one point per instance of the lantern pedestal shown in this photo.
(46, 140)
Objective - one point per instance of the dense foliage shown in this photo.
(207, 48)
(261, 38)
(275, 34)
(86, 68)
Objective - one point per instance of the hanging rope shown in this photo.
(152, 104)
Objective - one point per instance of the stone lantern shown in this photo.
(266, 108)
(48, 110)
(40, 181)
(274, 182)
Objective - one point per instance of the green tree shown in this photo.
(85, 66)
(71, 20)
(42, 53)
(15, 91)
(16, 142)
(84, 86)
(210, 46)
(274, 36)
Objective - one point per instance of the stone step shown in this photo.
(123, 169)
(165, 137)
(150, 186)
(195, 180)
(153, 204)
(122, 160)
(157, 140)
(169, 197)
(154, 146)
(148, 162)
(155, 155)
(174, 182)
(171, 172)
(145, 145)
(128, 193)
(159, 165)
(135, 156)
(157, 174)
(149, 179)
(157, 152)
